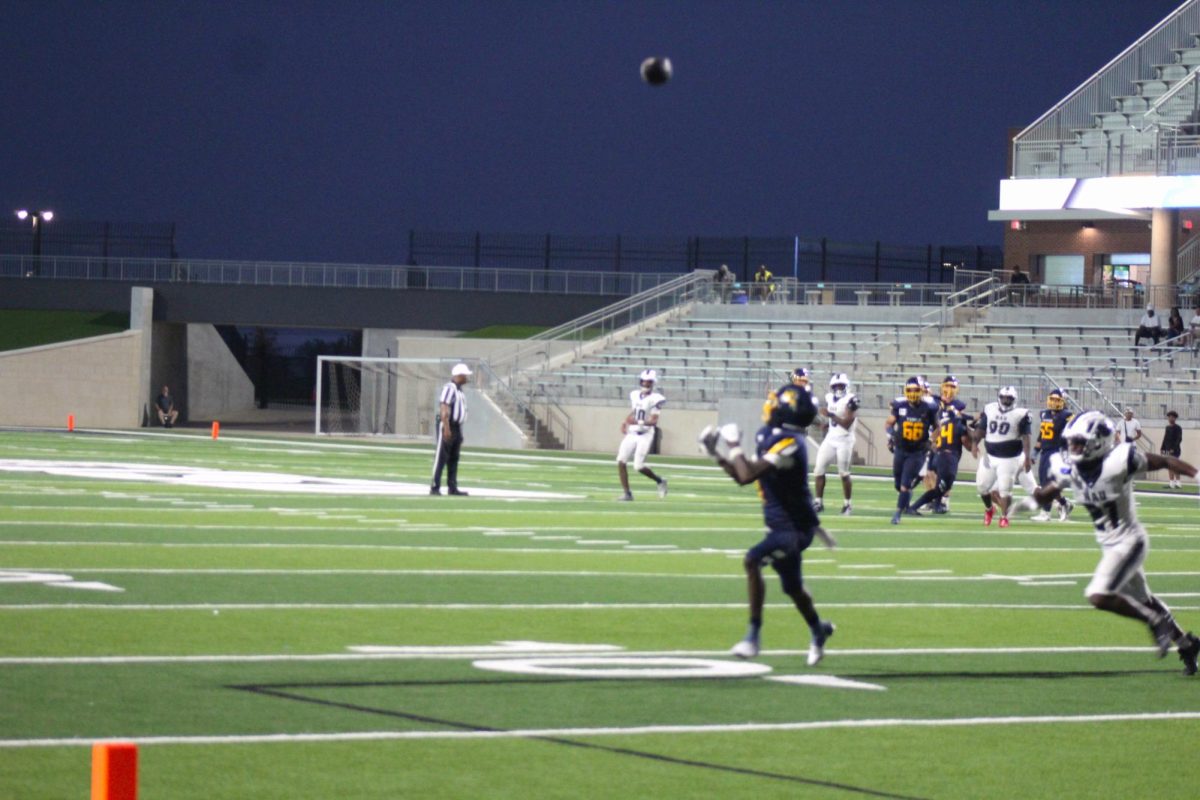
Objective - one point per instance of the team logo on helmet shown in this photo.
(789, 407)
(1089, 436)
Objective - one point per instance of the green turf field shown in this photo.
(274, 618)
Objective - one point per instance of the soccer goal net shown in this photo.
(378, 396)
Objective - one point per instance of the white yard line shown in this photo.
(441, 548)
(1036, 580)
(646, 730)
(119, 607)
(481, 651)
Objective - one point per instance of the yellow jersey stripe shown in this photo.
(782, 445)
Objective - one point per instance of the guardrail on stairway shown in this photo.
(1038, 150)
(514, 370)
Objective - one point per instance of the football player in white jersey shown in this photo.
(1005, 429)
(841, 409)
(1101, 474)
(638, 429)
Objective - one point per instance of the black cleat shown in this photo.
(458, 492)
(435, 490)
(1162, 629)
(1188, 653)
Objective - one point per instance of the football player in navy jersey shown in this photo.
(781, 470)
(913, 419)
(952, 433)
(948, 399)
(1052, 419)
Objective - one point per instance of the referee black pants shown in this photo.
(447, 458)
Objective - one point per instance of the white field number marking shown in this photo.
(620, 667)
(56, 579)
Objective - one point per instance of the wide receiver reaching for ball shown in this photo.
(1101, 474)
(781, 470)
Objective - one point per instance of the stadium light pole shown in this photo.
(38, 219)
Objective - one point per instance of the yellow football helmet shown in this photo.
(1055, 400)
(913, 391)
(949, 388)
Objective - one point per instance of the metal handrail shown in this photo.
(602, 323)
(1187, 261)
(1140, 50)
(949, 304)
(1167, 96)
(532, 355)
(329, 275)
(556, 420)
(1114, 78)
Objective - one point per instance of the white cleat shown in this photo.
(662, 488)
(746, 648)
(818, 505)
(816, 650)
(846, 509)
(1043, 516)
(1065, 510)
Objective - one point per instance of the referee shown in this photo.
(452, 412)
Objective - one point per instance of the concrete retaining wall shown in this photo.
(96, 379)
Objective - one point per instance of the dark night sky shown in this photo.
(325, 131)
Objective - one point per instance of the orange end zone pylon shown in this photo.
(216, 429)
(114, 771)
(70, 422)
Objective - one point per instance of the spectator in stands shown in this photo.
(1172, 445)
(1019, 283)
(1175, 329)
(1129, 430)
(164, 404)
(724, 281)
(1194, 326)
(763, 286)
(1150, 327)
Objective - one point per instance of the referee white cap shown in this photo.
(460, 369)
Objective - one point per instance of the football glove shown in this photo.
(731, 434)
(891, 446)
(708, 439)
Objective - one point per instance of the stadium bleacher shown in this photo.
(704, 356)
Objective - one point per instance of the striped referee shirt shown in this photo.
(454, 398)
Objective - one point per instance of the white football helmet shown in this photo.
(648, 376)
(1007, 397)
(839, 384)
(1089, 436)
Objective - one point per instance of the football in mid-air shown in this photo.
(656, 70)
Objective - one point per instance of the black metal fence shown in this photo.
(804, 259)
(79, 238)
